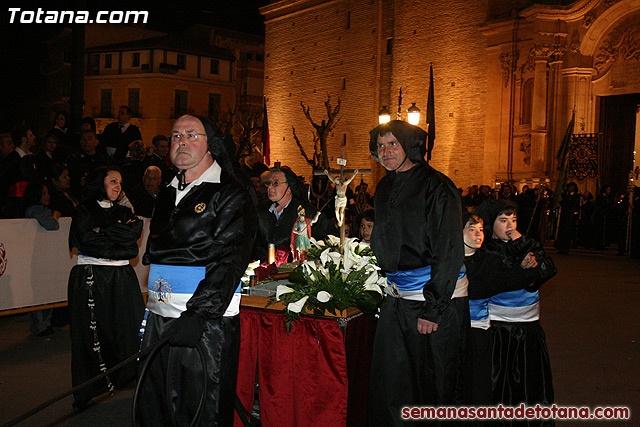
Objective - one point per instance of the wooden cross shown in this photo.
(342, 162)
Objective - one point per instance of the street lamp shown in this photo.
(413, 114)
(384, 116)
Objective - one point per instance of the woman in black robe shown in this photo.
(105, 302)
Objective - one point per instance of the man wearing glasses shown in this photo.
(201, 236)
(277, 216)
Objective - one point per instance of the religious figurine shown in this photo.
(301, 234)
(341, 194)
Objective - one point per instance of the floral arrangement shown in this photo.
(332, 281)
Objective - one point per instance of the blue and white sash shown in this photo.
(515, 306)
(479, 313)
(409, 284)
(171, 286)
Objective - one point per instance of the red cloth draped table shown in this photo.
(318, 375)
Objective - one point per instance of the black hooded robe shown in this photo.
(107, 295)
(417, 224)
(212, 226)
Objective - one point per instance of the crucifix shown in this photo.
(341, 189)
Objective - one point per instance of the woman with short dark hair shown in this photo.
(105, 302)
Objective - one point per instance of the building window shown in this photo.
(107, 60)
(344, 83)
(249, 56)
(136, 59)
(527, 102)
(105, 103)
(182, 62)
(259, 57)
(214, 68)
(348, 19)
(134, 101)
(389, 45)
(245, 87)
(180, 106)
(214, 106)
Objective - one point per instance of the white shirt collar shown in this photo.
(274, 210)
(212, 175)
(123, 128)
(105, 203)
(21, 152)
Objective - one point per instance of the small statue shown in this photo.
(301, 235)
(341, 195)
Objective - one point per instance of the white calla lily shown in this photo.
(296, 307)
(333, 239)
(323, 296)
(371, 284)
(335, 257)
(349, 260)
(282, 289)
(324, 256)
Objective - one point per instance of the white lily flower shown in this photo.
(349, 260)
(296, 307)
(333, 239)
(363, 245)
(323, 296)
(363, 262)
(324, 271)
(371, 284)
(335, 257)
(309, 267)
(282, 289)
(324, 256)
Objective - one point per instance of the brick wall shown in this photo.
(310, 52)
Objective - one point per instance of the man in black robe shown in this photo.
(277, 215)
(117, 136)
(201, 236)
(417, 241)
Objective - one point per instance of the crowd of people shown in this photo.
(460, 324)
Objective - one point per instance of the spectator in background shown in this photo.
(472, 200)
(569, 214)
(485, 193)
(366, 225)
(506, 192)
(19, 170)
(253, 164)
(143, 196)
(160, 158)
(118, 135)
(45, 158)
(83, 163)
(133, 167)
(6, 147)
(585, 222)
(59, 185)
(61, 130)
(602, 221)
(36, 202)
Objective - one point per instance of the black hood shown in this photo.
(412, 138)
(489, 210)
(216, 144)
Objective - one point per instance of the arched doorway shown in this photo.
(617, 138)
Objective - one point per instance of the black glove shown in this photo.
(186, 330)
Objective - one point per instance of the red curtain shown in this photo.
(302, 377)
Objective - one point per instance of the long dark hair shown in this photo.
(32, 194)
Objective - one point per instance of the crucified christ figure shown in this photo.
(341, 194)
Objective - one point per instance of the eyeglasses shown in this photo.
(188, 136)
(274, 184)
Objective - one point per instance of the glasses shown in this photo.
(188, 136)
(274, 184)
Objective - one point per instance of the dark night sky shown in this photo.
(24, 51)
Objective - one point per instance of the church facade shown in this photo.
(508, 78)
